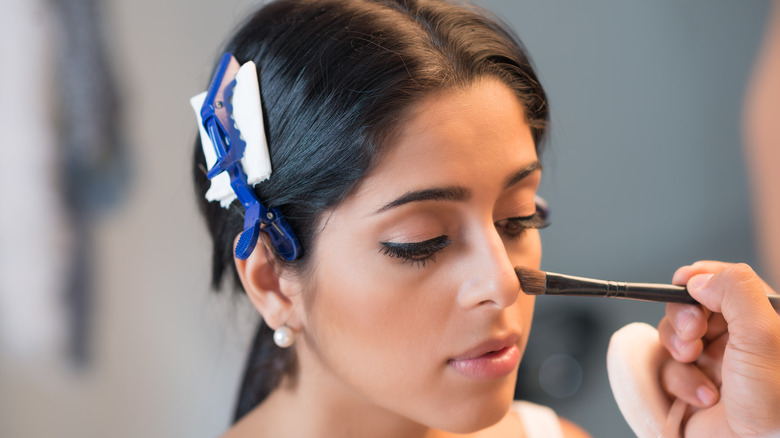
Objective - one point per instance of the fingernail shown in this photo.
(706, 395)
(678, 276)
(699, 281)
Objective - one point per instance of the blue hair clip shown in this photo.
(217, 118)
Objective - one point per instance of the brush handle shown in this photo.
(559, 284)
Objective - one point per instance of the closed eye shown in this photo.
(514, 227)
(416, 253)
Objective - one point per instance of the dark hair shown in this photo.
(337, 78)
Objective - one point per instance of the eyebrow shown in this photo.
(454, 193)
(522, 174)
(451, 193)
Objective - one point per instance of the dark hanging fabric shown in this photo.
(94, 164)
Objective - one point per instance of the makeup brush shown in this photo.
(535, 282)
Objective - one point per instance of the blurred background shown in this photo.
(107, 324)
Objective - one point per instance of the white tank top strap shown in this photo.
(538, 421)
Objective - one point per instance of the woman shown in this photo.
(405, 140)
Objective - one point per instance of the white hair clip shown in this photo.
(247, 117)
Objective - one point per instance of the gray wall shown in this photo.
(643, 172)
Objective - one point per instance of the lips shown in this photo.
(492, 359)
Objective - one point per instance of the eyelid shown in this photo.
(514, 227)
(535, 221)
(410, 244)
(542, 211)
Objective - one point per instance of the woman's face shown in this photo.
(413, 305)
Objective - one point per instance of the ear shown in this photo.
(268, 292)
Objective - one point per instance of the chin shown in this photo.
(477, 413)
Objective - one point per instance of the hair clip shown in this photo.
(231, 129)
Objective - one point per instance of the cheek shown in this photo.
(367, 323)
(526, 252)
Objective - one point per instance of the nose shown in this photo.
(488, 275)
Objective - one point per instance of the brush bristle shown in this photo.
(532, 282)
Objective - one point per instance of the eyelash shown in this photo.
(514, 227)
(416, 253)
(420, 253)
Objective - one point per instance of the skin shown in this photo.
(375, 333)
(724, 353)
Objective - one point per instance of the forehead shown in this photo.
(474, 136)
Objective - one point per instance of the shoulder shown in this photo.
(542, 421)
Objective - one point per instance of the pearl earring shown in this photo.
(284, 336)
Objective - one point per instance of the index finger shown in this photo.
(739, 294)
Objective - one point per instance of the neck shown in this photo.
(316, 403)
